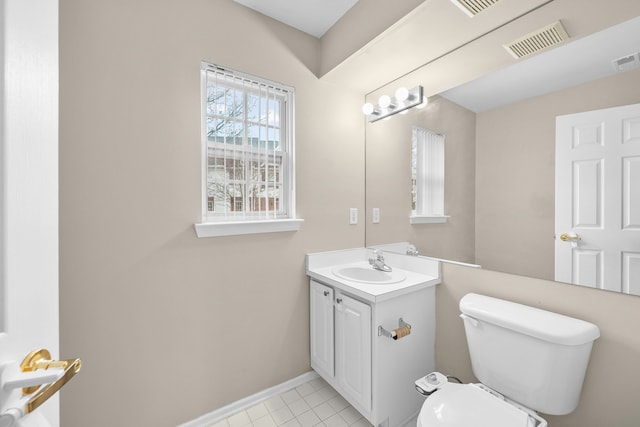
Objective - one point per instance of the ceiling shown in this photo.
(581, 61)
(490, 83)
(313, 17)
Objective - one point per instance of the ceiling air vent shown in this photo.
(627, 62)
(543, 38)
(473, 7)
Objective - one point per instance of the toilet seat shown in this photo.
(467, 405)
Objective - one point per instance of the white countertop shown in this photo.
(418, 273)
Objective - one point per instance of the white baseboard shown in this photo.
(213, 417)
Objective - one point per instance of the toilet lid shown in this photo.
(466, 405)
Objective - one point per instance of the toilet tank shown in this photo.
(534, 357)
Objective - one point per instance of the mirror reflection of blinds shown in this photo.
(246, 142)
(429, 171)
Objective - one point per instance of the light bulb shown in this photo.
(384, 101)
(424, 103)
(402, 94)
(367, 108)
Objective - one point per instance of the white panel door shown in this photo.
(598, 199)
(322, 326)
(28, 204)
(353, 350)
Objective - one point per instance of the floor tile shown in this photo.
(350, 415)
(314, 399)
(291, 423)
(308, 419)
(282, 415)
(362, 422)
(290, 396)
(298, 407)
(312, 404)
(257, 412)
(265, 421)
(335, 421)
(338, 403)
(327, 392)
(240, 419)
(318, 383)
(324, 411)
(274, 403)
(305, 389)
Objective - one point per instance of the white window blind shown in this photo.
(247, 132)
(427, 176)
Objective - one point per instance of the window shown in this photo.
(427, 173)
(248, 154)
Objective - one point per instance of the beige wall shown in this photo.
(169, 326)
(352, 33)
(389, 180)
(515, 173)
(610, 392)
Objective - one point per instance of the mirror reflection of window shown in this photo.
(427, 176)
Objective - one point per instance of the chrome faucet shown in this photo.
(378, 261)
(411, 250)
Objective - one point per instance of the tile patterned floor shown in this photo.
(312, 404)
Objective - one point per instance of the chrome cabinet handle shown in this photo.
(339, 300)
(326, 293)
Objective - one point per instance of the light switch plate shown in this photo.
(375, 217)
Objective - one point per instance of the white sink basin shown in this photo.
(368, 275)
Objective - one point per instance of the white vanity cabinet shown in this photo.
(373, 372)
(353, 348)
(321, 323)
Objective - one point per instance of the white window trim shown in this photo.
(218, 229)
(427, 219)
(208, 228)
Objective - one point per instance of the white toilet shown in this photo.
(527, 360)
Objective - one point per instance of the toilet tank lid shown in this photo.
(535, 322)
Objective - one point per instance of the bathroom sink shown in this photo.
(368, 275)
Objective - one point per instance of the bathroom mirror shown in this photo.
(500, 158)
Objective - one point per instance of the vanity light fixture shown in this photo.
(387, 106)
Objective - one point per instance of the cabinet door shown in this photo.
(353, 352)
(321, 322)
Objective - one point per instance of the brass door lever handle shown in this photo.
(566, 237)
(41, 359)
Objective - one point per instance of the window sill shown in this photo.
(217, 229)
(425, 219)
